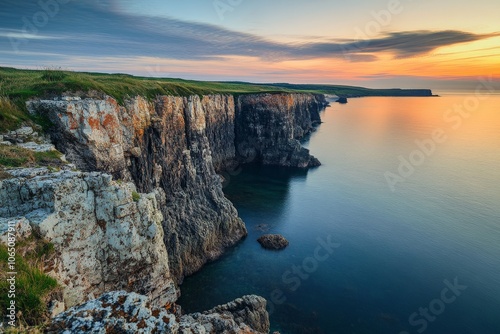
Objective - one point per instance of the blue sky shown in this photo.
(372, 43)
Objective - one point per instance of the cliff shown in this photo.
(179, 144)
(129, 242)
(110, 258)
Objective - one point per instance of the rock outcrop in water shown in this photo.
(273, 241)
(179, 144)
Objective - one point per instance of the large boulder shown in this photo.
(273, 241)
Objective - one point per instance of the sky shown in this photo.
(445, 44)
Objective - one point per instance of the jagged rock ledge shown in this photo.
(130, 313)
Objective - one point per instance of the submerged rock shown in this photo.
(273, 241)
(342, 100)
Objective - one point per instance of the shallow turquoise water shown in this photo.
(395, 249)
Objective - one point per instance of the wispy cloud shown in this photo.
(89, 29)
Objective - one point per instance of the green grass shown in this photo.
(136, 196)
(32, 285)
(11, 116)
(15, 156)
(352, 91)
(23, 84)
(16, 86)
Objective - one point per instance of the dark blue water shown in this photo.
(392, 253)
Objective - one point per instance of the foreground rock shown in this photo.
(121, 312)
(273, 241)
(115, 312)
(243, 315)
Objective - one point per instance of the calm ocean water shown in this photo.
(422, 257)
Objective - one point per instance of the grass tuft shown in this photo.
(53, 74)
(11, 116)
(33, 287)
(15, 156)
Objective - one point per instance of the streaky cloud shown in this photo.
(98, 28)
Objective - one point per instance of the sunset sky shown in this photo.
(446, 44)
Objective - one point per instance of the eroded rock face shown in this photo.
(268, 127)
(104, 240)
(179, 144)
(130, 313)
(166, 144)
(248, 312)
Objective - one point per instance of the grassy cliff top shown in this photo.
(17, 86)
(24, 84)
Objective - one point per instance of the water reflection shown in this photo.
(397, 248)
(265, 190)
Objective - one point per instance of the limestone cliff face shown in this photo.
(162, 144)
(179, 144)
(105, 239)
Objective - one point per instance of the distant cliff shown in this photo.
(179, 144)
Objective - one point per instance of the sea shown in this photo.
(397, 232)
